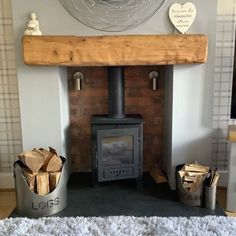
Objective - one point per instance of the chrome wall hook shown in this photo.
(153, 75)
(78, 77)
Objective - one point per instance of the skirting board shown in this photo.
(6, 181)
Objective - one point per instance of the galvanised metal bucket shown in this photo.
(30, 204)
(189, 198)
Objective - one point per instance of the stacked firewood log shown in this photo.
(42, 169)
(193, 176)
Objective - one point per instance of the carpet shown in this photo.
(119, 225)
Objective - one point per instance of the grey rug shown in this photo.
(120, 225)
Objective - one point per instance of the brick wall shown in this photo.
(92, 99)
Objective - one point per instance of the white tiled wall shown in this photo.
(10, 128)
(223, 81)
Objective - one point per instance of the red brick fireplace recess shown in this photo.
(138, 55)
(93, 99)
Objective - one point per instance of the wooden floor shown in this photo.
(221, 198)
(8, 202)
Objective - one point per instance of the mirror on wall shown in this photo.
(112, 15)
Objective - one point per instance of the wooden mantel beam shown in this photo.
(115, 50)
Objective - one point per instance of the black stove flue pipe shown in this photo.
(116, 92)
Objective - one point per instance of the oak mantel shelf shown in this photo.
(115, 50)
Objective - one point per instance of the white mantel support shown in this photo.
(187, 118)
(44, 107)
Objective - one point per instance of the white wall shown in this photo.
(44, 111)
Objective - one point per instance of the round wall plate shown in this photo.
(112, 15)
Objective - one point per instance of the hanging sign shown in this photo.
(182, 16)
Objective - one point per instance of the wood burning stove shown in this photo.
(117, 139)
